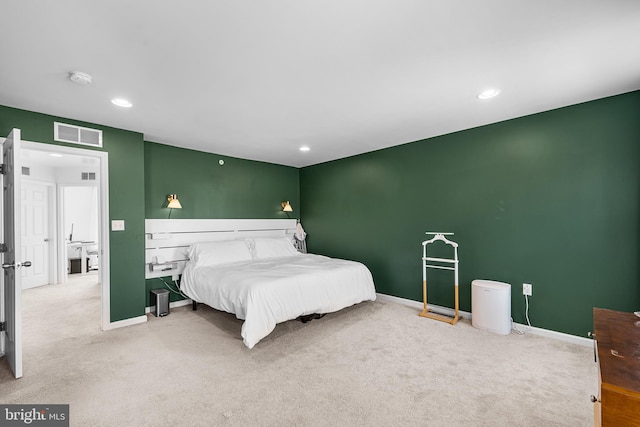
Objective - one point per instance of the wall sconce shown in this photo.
(286, 208)
(174, 203)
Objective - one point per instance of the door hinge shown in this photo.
(3, 169)
(3, 326)
(3, 248)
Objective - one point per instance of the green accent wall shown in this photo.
(550, 199)
(237, 189)
(126, 195)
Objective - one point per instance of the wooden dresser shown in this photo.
(618, 347)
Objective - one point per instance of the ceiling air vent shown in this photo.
(77, 134)
(88, 176)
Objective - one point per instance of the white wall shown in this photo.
(81, 211)
(70, 175)
(66, 175)
(77, 199)
(39, 172)
(80, 203)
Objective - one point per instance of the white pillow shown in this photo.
(274, 247)
(210, 254)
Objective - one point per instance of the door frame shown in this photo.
(103, 218)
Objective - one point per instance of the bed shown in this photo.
(265, 281)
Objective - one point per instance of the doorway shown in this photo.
(12, 150)
(78, 210)
(71, 173)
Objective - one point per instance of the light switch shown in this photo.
(117, 225)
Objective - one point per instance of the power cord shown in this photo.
(526, 313)
(515, 329)
(175, 282)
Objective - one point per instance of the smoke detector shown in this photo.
(80, 78)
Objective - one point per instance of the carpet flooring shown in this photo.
(373, 364)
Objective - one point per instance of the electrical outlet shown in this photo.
(527, 289)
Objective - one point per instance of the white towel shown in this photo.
(298, 239)
(300, 234)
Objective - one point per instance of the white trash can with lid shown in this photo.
(491, 306)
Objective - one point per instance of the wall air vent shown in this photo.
(26, 171)
(77, 134)
(88, 176)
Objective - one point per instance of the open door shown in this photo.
(11, 295)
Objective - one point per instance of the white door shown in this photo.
(11, 294)
(35, 234)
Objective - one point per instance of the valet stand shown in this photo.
(428, 262)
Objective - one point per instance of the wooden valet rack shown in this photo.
(441, 264)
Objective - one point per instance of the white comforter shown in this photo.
(265, 292)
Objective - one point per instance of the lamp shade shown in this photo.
(174, 203)
(286, 207)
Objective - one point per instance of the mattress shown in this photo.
(264, 292)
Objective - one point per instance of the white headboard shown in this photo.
(167, 240)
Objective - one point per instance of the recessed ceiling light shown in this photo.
(489, 93)
(55, 155)
(304, 148)
(120, 102)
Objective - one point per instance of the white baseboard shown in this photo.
(586, 342)
(172, 305)
(573, 339)
(142, 319)
(126, 322)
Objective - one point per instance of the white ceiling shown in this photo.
(258, 79)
